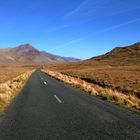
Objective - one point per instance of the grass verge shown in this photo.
(9, 89)
(129, 101)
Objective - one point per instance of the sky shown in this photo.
(72, 28)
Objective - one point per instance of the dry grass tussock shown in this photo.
(125, 79)
(129, 101)
(9, 89)
(10, 72)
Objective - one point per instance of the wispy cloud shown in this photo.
(80, 6)
(101, 8)
(66, 44)
(115, 27)
(94, 34)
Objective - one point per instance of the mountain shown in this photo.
(27, 54)
(122, 55)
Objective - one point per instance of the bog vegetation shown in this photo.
(12, 80)
(119, 84)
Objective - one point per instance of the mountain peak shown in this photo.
(27, 54)
(25, 46)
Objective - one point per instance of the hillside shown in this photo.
(118, 69)
(122, 55)
(27, 54)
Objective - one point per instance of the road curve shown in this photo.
(47, 109)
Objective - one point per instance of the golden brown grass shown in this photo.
(122, 78)
(10, 88)
(10, 72)
(106, 93)
(114, 76)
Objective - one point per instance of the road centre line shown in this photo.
(40, 76)
(45, 83)
(58, 99)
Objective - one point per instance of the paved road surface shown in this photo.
(47, 109)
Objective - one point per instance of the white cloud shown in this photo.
(115, 26)
(94, 34)
(102, 8)
(79, 7)
(66, 44)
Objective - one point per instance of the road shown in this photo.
(47, 109)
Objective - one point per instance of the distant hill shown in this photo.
(122, 55)
(118, 69)
(27, 54)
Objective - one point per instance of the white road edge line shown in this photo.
(58, 99)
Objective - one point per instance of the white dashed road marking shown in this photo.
(45, 83)
(58, 99)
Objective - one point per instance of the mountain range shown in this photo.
(27, 54)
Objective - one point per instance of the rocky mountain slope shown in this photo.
(27, 54)
(122, 55)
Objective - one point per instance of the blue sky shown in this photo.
(76, 28)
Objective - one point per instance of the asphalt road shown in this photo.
(47, 109)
